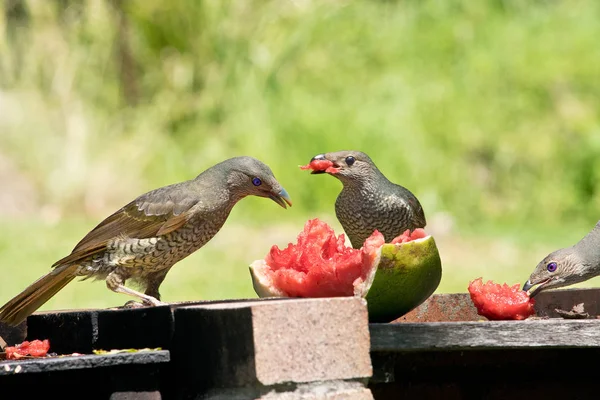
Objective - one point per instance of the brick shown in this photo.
(272, 342)
(330, 390)
(155, 395)
(335, 390)
(317, 340)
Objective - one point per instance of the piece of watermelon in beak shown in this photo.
(320, 165)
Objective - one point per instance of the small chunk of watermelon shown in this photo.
(34, 348)
(320, 166)
(500, 302)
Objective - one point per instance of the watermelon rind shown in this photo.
(262, 283)
(406, 275)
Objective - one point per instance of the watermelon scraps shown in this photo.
(500, 302)
(34, 348)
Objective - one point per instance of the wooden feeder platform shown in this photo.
(444, 350)
(277, 349)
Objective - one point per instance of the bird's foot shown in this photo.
(143, 303)
(134, 304)
(153, 301)
(146, 300)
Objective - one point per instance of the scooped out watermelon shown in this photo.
(501, 302)
(394, 277)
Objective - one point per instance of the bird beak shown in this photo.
(528, 285)
(282, 198)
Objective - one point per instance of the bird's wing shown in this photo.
(152, 214)
(402, 196)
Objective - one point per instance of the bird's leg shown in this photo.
(115, 283)
(153, 282)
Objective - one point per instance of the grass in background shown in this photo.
(488, 112)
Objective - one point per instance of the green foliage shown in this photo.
(487, 111)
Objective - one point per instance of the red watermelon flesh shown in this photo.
(409, 236)
(500, 302)
(320, 166)
(320, 264)
(34, 348)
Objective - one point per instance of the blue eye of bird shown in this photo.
(256, 181)
(551, 266)
(350, 160)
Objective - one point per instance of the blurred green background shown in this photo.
(487, 111)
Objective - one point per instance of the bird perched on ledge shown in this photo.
(141, 241)
(568, 266)
(368, 200)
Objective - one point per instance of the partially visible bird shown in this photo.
(368, 200)
(568, 266)
(141, 241)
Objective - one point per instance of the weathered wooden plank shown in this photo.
(87, 361)
(551, 333)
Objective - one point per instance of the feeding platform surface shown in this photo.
(444, 350)
(440, 350)
(451, 322)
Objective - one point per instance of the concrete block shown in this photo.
(333, 390)
(265, 343)
(330, 390)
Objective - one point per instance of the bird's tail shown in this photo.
(35, 295)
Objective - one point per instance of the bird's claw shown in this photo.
(133, 304)
(150, 302)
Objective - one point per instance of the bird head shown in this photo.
(560, 268)
(347, 165)
(250, 177)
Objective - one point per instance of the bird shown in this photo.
(141, 241)
(568, 265)
(368, 200)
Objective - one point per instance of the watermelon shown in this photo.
(34, 348)
(501, 302)
(321, 166)
(393, 277)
